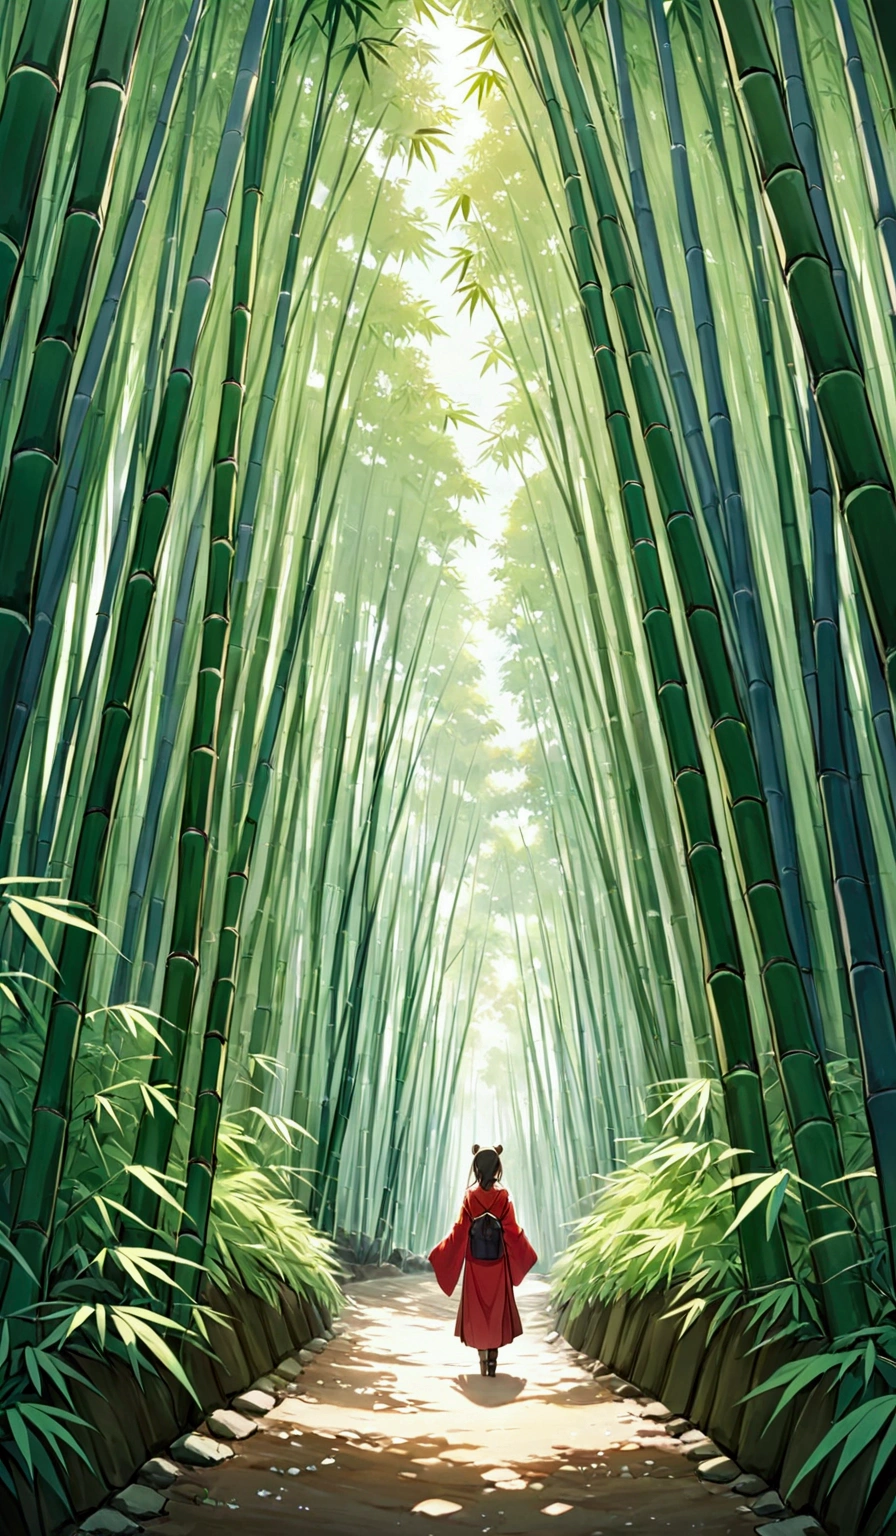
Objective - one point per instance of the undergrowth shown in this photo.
(667, 1222)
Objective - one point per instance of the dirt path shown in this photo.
(391, 1415)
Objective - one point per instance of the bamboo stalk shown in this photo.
(33, 1223)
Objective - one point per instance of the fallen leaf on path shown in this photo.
(498, 1474)
(557, 1509)
(436, 1507)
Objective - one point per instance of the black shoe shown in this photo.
(492, 1367)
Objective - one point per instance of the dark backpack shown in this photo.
(486, 1237)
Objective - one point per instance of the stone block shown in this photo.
(652, 1360)
(275, 1330)
(770, 1505)
(748, 1485)
(592, 1341)
(139, 1502)
(702, 1450)
(734, 1368)
(255, 1402)
(232, 1369)
(718, 1469)
(621, 1388)
(633, 1334)
(575, 1328)
(615, 1325)
(159, 1472)
(229, 1425)
(685, 1364)
(110, 1522)
(200, 1451)
(267, 1384)
(295, 1319)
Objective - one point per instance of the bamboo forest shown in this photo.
(448, 636)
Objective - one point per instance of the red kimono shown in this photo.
(487, 1316)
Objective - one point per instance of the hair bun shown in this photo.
(499, 1149)
(475, 1147)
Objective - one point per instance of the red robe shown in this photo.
(487, 1316)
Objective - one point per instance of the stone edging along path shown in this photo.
(711, 1464)
(146, 1497)
(132, 1420)
(702, 1376)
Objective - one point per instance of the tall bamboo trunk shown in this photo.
(35, 1211)
(809, 1111)
(56, 561)
(32, 93)
(182, 967)
(864, 480)
(32, 470)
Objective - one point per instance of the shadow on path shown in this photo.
(491, 1392)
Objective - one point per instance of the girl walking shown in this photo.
(487, 1243)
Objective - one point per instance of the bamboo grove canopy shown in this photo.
(286, 901)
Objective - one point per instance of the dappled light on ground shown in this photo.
(388, 1421)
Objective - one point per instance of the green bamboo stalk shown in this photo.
(35, 1211)
(802, 122)
(156, 1131)
(35, 454)
(33, 87)
(865, 483)
(853, 859)
(182, 966)
(761, 704)
(885, 25)
(809, 1111)
(56, 559)
(880, 192)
